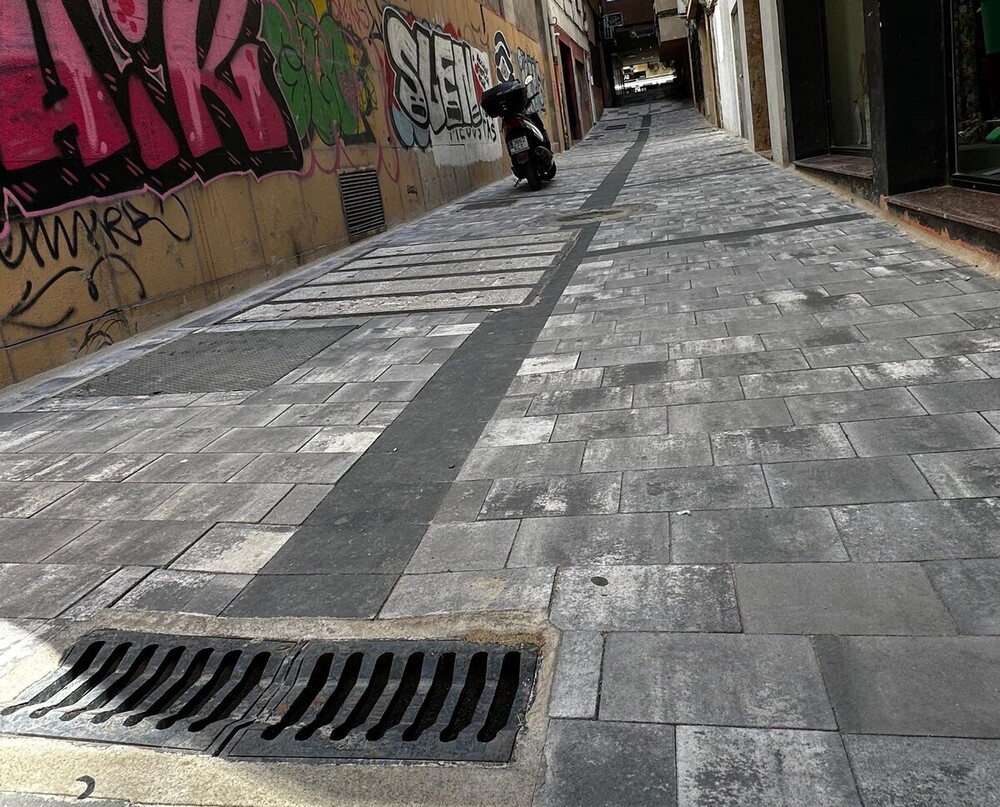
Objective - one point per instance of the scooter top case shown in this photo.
(505, 100)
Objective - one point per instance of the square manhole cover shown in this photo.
(215, 361)
(438, 700)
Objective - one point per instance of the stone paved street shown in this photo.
(735, 437)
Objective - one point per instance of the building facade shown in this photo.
(573, 26)
(895, 100)
(156, 157)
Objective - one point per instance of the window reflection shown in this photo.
(845, 47)
(976, 38)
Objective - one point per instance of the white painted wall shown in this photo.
(775, 75)
(725, 65)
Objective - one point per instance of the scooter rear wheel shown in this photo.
(531, 174)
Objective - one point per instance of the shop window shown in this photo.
(976, 70)
(850, 118)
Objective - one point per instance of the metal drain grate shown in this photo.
(392, 700)
(616, 126)
(363, 210)
(215, 362)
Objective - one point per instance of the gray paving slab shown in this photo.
(603, 764)
(958, 396)
(694, 489)
(272, 439)
(714, 679)
(540, 459)
(656, 372)
(645, 598)
(842, 598)
(615, 423)
(109, 500)
(184, 592)
(583, 540)
(584, 400)
(338, 596)
(847, 406)
(935, 686)
(297, 505)
(32, 540)
(825, 441)
(770, 361)
(918, 371)
(799, 382)
(811, 336)
(702, 390)
(962, 474)
(458, 592)
(517, 431)
(654, 451)
(297, 469)
(464, 547)
(549, 382)
(182, 440)
(324, 414)
(956, 344)
(106, 594)
(925, 771)
(131, 543)
(929, 530)
(93, 467)
(756, 536)
(577, 680)
(971, 591)
(920, 435)
(192, 468)
(527, 497)
(234, 549)
(735, 767)
(711, 417)
(857, 481)
(215, 502)
(44, 591)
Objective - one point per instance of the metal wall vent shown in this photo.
(362, 199)
(402, 700)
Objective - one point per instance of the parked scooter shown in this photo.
(528, 143)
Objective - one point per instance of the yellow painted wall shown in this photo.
(90, 253)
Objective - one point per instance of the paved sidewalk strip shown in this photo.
(738, 440)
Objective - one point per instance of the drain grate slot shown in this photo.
(393, 700)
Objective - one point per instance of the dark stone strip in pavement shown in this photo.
(379, 510)
(607, 192)
(732, 235)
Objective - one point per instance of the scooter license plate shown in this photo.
(517, 145)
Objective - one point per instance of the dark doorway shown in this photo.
(569, 83)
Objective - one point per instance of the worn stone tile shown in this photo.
(692, 391)
(958, 396)
(653, 372)
(615, 423)
(564, 380)
(229, 417)
(25, 540)
(940, 686)
(106, 594)
(297, 505)
(552, 363)
(585, 540)
(44, 591)
(583, 494)
(409, 372)
(857, 481)
(463, 501)
(714, 679)
(864, 314)
(694, 489)
(860, 353)
(384, 414)
(971, 591)
(273, 439)
(724, 346)
(185, 439)
(962, 474)
(464, 547)
(586, 400)
(88, 441)
(234, 549)
(918, 371)
(336, 596)
(603, 764)
(770, 361)
(325, 414)
(645, 598)
(577, 680)
(812, 337)
(841, 598)
(517, 431)
(755, 536)
(293, 394)
(734, 767)
(957, 344)
(655, 451)
(193, 468)
(780, 444)
(22, 467)
(920, 435)
(296, 469)
(540, 459)
(93, 467)
(847, 406)
(922, 326)
(457, 592)
(110, 500)
(920, 530)
(925, 771)
(186, 592)
(131, 543)
(376, 391)
(799, 382)
(341, 440)
(227, 502)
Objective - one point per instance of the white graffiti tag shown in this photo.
(436, 82)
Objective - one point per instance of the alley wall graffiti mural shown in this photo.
(119, 118)
(519, 65)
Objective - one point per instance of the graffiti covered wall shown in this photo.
(156, 155)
